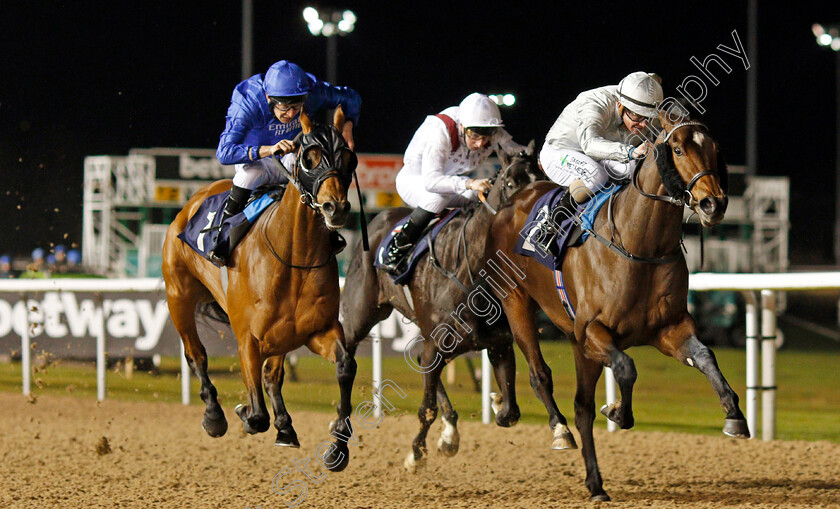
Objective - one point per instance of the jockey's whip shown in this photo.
(365, 243)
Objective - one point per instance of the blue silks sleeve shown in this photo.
(324, 96)
(244, 116)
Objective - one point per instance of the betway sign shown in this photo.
(66, 324)
(376, 171)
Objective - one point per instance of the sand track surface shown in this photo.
(67, 452)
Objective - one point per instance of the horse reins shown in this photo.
(668, 198)
(462, 241)
(621, 250)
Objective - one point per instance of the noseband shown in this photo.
(668, 198)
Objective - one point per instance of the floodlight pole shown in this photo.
(247, 38)
(332, 59)
(837, 160)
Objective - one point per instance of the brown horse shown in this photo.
(454, 310)
(628, 292)
(283, 289)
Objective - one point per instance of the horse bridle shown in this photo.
(668, 198)
(330, 151)
(462, 236)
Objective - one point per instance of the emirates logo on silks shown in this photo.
(279, 129)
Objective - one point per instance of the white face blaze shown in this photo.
(699, 138)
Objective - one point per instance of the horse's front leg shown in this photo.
(433, 367)
(273, 373)
(588, 372)
(600, 347)
(521, 319)
(681, 343)
(254, 414)
(504, 368)
(332, 346)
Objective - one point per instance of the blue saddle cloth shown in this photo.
(420, 248)
(202, 233)
(540, 214)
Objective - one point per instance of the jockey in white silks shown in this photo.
(598, 137)
(445, 148)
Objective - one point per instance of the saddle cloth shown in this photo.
(202, 233)
(420, 249)
(568, 233)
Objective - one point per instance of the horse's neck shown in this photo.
(647, 227)
(299, 225)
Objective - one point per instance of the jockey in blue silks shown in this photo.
(263, 120)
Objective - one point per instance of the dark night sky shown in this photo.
(92, 78)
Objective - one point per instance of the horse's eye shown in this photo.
(311, 158)
(678, 151)
(510, 185)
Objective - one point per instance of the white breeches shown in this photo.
(263, 171)
(413, 192)
(565, 166)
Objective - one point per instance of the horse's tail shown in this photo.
(212, 311)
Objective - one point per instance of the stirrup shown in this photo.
(546, 243)
(396, 259)
(218, 260)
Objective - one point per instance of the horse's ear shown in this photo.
(305, 122)
(338, 118)
(531, 148)
(504, 157)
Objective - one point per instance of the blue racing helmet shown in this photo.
(285, 79)
(5, 259)
(37, 254)
(59, 249)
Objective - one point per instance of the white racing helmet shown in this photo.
(478, 110)
(640, 93)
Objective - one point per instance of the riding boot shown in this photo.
(404, 240)
(234, 205)
(548, 230)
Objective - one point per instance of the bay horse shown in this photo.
(631, 289)
(283, 289)
(446, 306)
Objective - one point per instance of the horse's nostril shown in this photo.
(708, 205)
(329, 207)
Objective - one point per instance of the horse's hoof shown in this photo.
(447, 449)
(450, 439)
(613, 413)
(736, 428)
(495, 402)
(259, 426)
(337, 457)
(413, 465)
(563, 438)
(215, 427)
(601, 497)
(287, 438)
(509, 418)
